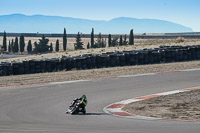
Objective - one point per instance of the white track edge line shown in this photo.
(136, 75)
(67, 82)
(110, 111)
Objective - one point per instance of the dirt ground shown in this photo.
(180, 106)
(70, 42)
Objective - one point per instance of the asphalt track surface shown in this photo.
(42, 109)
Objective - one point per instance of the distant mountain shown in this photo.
(54, 24)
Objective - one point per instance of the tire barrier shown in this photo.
(163, 54)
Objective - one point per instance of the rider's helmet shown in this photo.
(84, 96)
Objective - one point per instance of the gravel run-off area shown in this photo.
(180, 106)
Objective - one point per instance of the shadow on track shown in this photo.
(95, 114)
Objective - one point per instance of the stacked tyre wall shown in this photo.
(163, 54)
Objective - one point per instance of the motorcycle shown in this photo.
(76, 108)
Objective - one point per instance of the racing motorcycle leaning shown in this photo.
(77, 106)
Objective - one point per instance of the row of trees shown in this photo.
(42, 46)
(111, 42)
(14, 46)
(102, 43)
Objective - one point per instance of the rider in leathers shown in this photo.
(83, 102)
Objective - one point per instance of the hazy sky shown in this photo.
(185, 12)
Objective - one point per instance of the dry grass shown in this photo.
(142, 42)
(180, 39)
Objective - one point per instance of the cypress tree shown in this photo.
(125, 42)
(16, 45)
(29, 47)
(4, 41)
(44, 44)
(109, 40)
(92, 38)
(120, 41)
(88, 45)
(51, 47)
(38, 48)
(98, 43)
(131, 38)
(9, 47)
(64, 40)
(78, 44)
(12, 46)
(103, 43)
(22, 43)
(57, 45)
